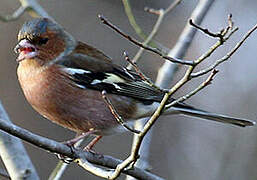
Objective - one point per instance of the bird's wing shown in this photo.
(98, 74)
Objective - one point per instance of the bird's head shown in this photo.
(43, 40)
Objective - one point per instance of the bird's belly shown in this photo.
(74, 108)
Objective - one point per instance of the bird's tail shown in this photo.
(191, 111)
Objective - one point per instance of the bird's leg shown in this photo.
(78, 137)
(73, 143)
(92, 143)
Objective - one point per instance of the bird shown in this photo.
(63, 80)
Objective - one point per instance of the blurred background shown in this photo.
(182, 148)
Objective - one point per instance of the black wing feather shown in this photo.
(131, 84)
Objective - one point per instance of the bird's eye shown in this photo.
(42, 41)
(38, 40)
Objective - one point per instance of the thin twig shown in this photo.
(230, 22)
(150, 37)
(196, 90)
(226, 34)
(172, 6)
(212, 49)
(154, 50)
(138, 29)
(206, 31)
(140, 73)
(132, 20)
(167, 10)
(167, 70)
(116, 115)
(152, 10)
(139, 138)
(227, 56)
(161, 14)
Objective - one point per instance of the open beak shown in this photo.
(25, 49)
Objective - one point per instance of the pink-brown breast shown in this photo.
(54, 96)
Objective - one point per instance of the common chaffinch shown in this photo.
(63, 79)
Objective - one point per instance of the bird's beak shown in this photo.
(17, 48)
(25, 49)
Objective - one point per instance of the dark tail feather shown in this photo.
(190, 111)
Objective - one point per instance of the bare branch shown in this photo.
(213, 48)
(227, 56)
(139, 138)
(132, 20)
(206, 31)
(167, 10)
(14, 155)
(172, 6)
(154, 50)
(161, 14)
(230, 22)
(168, 69)
(137, 28)
(55, 147)
(153, 11)
(196, 90)
(150, 37)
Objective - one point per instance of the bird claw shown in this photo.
(67, 159)
(72, 144)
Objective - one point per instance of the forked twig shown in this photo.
(227, 56)
(196, 90)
